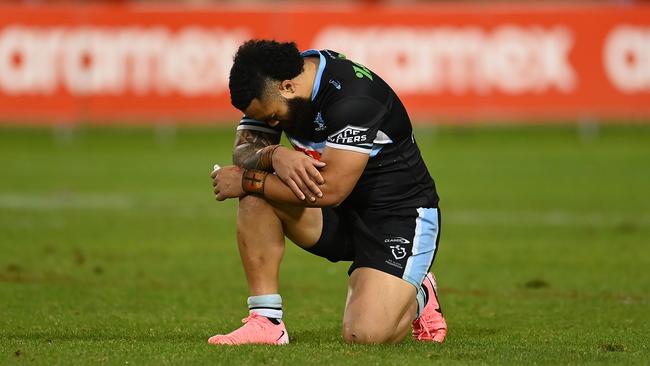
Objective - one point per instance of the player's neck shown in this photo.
(308, 75)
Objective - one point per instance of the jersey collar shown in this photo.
(319, 73)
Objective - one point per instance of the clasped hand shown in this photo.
(227, 182)
(299, 172)
(296, 169)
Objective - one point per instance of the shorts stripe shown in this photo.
(424, 246)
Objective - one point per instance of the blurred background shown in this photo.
(111, 62)
(532, 116)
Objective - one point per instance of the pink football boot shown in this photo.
(257, 329)
(431, 325)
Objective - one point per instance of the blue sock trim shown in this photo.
(271, 300)
(269, 306)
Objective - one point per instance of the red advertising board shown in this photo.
(152, 63)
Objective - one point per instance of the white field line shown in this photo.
(44, 202)
(546, 218)
(98, 201)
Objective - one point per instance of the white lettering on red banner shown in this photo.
(509, 59)
(113, 61)
(627, 58)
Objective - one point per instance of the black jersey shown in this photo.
(358, 111)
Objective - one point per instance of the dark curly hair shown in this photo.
(257, 61)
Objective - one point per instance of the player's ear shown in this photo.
(287, 88)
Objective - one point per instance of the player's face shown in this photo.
(269, 111)
(294, 115)
(300, 119)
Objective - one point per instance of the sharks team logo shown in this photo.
(320, 124)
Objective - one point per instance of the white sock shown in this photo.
(269, 306)
(422, 298)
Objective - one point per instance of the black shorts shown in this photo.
(401, 242)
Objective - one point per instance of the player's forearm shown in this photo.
(251, 156)
(254, 149)
(272, 188)
(276, 190)
(244, 156)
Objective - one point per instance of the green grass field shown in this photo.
(113, 251)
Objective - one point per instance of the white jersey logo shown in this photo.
(348, 135)
(398, 251)
(397, 239)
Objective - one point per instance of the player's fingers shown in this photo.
(317, 163)
(315, 175)
(215, 169)
(294, 188)
(303, 188)
(313, 187)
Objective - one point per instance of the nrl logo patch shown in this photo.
(348, 135)
(398, 251)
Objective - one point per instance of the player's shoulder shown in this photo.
(354, 93)
(338, 65)
(349, 79)
(357, 107)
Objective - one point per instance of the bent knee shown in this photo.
(366, 334)
(252, 210)
(251, 204)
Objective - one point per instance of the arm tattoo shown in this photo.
(253, 149)
(252, 181)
